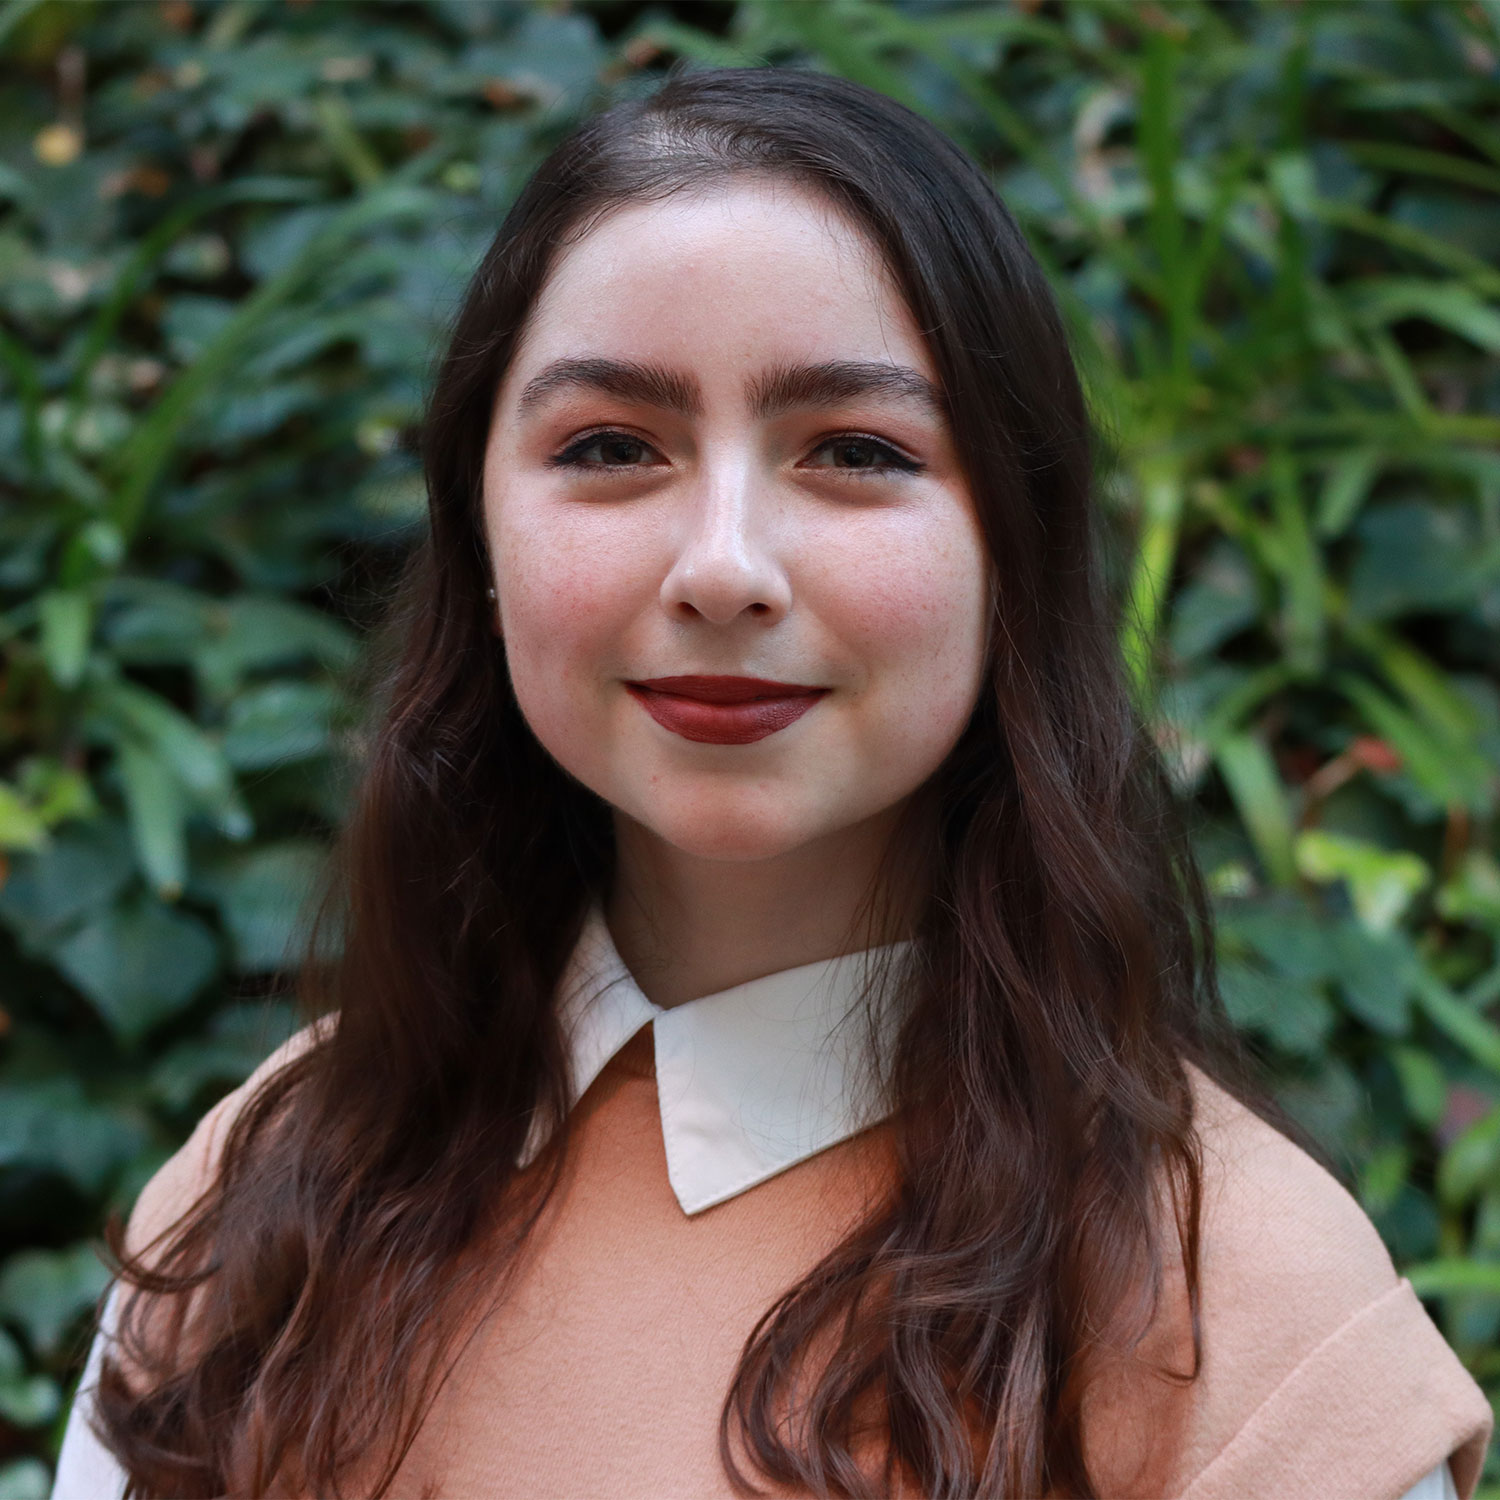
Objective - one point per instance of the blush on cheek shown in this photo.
(920, 623)
(898, 580)
(892, 616)
(558, 602)
(924, 613)
(584, 558)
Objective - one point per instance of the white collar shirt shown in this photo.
(750, 1080)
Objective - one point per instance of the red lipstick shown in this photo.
(723, 710)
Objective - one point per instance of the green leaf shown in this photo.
(253, 632)
(151, 622)
(1422, 1084)
(555, 54)
(1470, 1161)
(190, 323)
(1377, 972)
(1448, 304)
(1295, 1016)
(1382, 1177)
(1345, 487)
(49, 1125)
(239, 1038)
(139, 963)
(1415, 555)
(1219, 602)
(21, 827)
(262, 895)
(1437, 252)
(25, 1479)
(25, 1400)
(150, 250)
(83, 869)
(44, 1291)
(1437, 1278)
(1283, 931)
(278, 722)
(13, 13)
(66, 617)
(58, 792)
(1255, 785)
(1381, 882)
(1437, 697)
(1479, 1037)
(143, 719)
(198, 763)
(158, 818)
(1472, 892)
(1294, 182)
(1327, 1104)
(1162, 493)
(1159, 150)
(1452, 775)
(1300, 566)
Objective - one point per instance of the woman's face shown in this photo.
(717, 453)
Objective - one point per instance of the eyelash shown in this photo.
(570, 457)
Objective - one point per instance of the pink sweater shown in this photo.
(1324, 1378)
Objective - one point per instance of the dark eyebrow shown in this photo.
(779, 390)
(839, 380)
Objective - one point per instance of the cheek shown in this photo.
(562, 593)
(564, 605)
(916, 616)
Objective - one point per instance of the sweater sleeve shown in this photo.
(1329, 1376)
(86, 1469)
(1321, 1372)
(1387, 1400)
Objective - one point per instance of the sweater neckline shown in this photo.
(750, 1080)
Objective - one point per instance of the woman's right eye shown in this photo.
(618, 450)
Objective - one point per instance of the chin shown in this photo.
(755, 826)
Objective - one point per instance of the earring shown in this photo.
(491, 592)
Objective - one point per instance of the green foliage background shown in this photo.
(230, 234)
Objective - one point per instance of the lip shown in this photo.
(724, 710)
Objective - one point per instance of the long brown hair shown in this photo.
(1065, 961)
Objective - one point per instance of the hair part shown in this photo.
(1063, 964)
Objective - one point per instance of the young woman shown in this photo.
(775, 1041)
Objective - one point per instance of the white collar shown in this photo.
(750, 1080)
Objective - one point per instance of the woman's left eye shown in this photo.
(855, 454)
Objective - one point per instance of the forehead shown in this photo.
(745, 272)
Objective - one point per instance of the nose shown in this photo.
(727, 564)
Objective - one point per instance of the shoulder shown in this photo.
(1286, 1248)
(184, 1176)
(1322, 1372)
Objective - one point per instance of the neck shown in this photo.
(688, 926)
